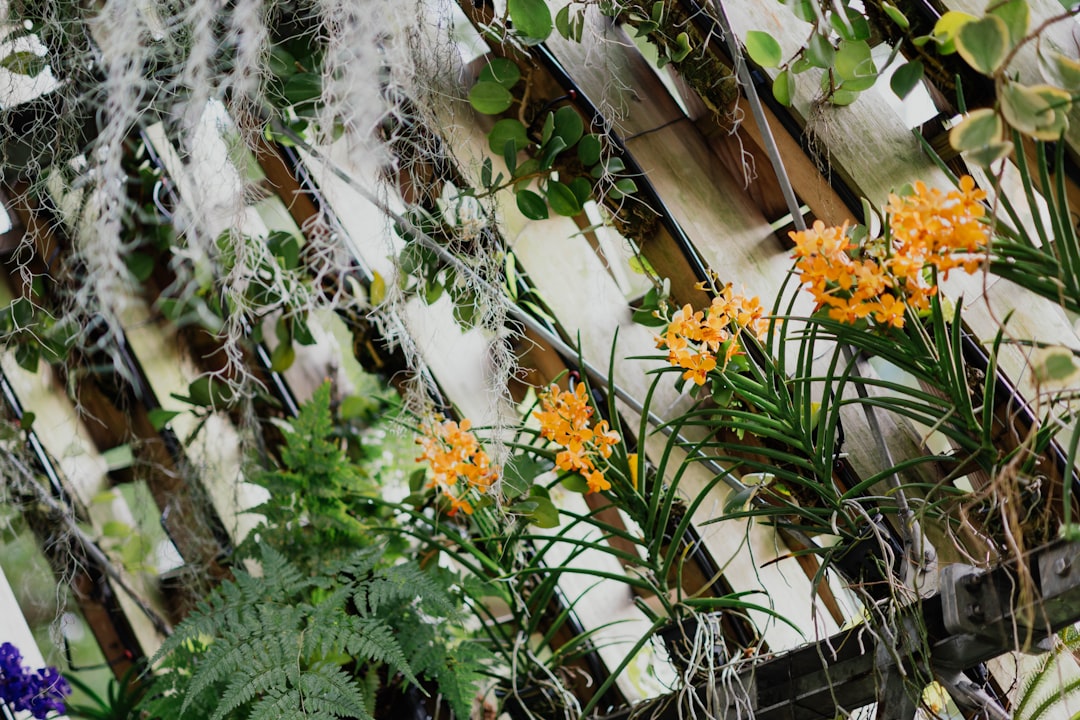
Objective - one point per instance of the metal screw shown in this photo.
(975, 612)
(973, 581)
(1062, 566)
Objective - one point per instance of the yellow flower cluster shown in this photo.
(458, 463)
(564, 419)
(929, 229)
(693, 339)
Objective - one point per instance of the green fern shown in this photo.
(309, 513)
(286, 645)
(326, 626)
(1036, 697)
(276, 646)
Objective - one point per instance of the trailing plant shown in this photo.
(312, 645)
(838, 44)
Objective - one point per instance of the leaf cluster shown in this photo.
(548, 142)
(312, 513)
(313, 646)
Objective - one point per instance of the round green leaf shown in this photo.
(568, 125)
(763, 48)
(855, 28)
(519, 473)
(984, 43)
(906, 77)
(1059, 69)
(575, 483)
(283, 357)
(531, 205)
(562, 22)
(1056, 366)
(1016, 15)
(543, 514)
(562, 199)
(842, 97)
(531, 18)
(140, 265)
(582, 189)
(854, 65)
(504, 130)
(820, 52)
(783, 87)
(621, 188)
(979, 129)
(588, 150)
(989, 154)
(490, 98)
(501, 71)
(946, 27)
(805, 10)
(682, 47)
(281, 62)
(1039, 111)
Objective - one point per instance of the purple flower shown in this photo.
(41, 691)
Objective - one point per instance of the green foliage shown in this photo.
(763, 48)
(309, 514)
(1046, 258)
(290, 644)
(121, 700)
(531, 19)
(1044, 690)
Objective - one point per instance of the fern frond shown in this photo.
(373, 639)
(1058, 695)
(245, 688)
(278, 705)
(221, 666)
(328, 689)
(1031, 690)
(458, 675)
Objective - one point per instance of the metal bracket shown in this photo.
(975, 612)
